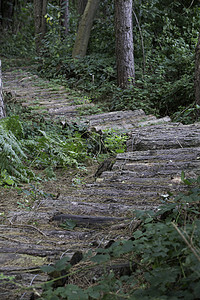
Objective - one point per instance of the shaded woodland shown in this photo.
(99, 149)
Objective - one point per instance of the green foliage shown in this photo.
(13, 124)
(164, 75)
(58, 266)
(68, 225)
(5, 179)
(56, 151)
(12, 157)
(103, 30)
(169, 52)
(188, 114)
(114, 142)
(164, 250)
(94, 73)
(47, 146)
(18, 40)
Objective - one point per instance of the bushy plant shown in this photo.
(114, 142)
(56, 151)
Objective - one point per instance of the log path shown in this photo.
(141, 178)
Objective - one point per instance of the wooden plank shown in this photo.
(166, 136)
(85, 220)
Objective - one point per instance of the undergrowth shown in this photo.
(28, 143)
(162, 254)
(12, 152)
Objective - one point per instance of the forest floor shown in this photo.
(102, 208)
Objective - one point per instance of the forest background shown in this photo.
(162, 78)
(165, 35)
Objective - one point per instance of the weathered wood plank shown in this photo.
(84, 220)
(122, 121)
(166, 136)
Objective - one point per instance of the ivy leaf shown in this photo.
(62, 263)
(94, 294)
(100, 258)
(127, 247)
(72, 292)
(138, 234)
(47, 269)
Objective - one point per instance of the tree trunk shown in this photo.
(81, 6)
(65, 15)
(124, 43)
(197, 72)
(84, 29)
(6, 13)
(2, 110)
(40, 10)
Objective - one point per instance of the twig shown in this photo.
(9, 239)
(187, 242)
(178, 142)
(33, 227)
(28, 226)
(190, 4)
(24, 294)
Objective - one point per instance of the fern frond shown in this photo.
(12, 155)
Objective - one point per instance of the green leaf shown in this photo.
(138, 234)
(127, 247)
(47, 269)
(69, 224)
(100, 258)
(72, 292)
(95, 294)
(182, 176)
(62, 263)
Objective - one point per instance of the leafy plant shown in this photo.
(68, 225)
(56, 150)
(12, 157)
(13, 124)
(114, 142)
(6, 179)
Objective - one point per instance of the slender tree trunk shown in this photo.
(40, 10)
(81, 6)
(197, 72)
(7, 13)
(65, 15)
(84, 29)
(2, 109)
(124, 43)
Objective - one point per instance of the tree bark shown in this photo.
(40, 10)
(197, 72)
(124, 43)
(6, 13)
(2, 109)
(84, 29)
(65, 15)
(81, 6)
